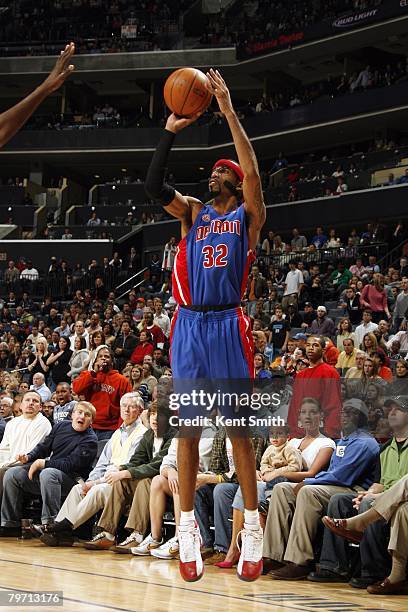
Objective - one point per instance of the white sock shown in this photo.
(187, 518)
(109, 536)
(251, 518)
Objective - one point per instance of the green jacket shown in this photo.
(142, 464)
(394, 464)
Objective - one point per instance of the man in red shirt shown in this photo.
(320, 381)
(103, 387)
(155, 331)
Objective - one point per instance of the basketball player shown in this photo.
(210, 335)
(14, 118)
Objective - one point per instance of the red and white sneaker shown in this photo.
(191, 563)
(250, 561)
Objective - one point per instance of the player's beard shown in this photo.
(215, 192)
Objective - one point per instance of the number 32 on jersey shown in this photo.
(215, 257)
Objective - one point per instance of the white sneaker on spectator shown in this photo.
(135, 538)
(146, 546)
(168, 550)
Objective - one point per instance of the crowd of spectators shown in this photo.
(85, 423)
(94, 25)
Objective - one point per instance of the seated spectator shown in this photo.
(94, 220)
(22, 433)
(59, 362)
(342, 186)
(40, 387)
(260, 367)
(79, 359)
(48, 410)
(399, 385)
(369, 344)
(345, 331)
(131, 486)
(145, 347)
(79, 331)
(124, 345)
(298, 241)
(65, 405)
(166, 485)
(335, 563)
(365, 327)
(319, 239)
(381, 360)
(103, 387)
(40, 359)
(85, 500)
(340, 278)
(321, 381)
(333, 241)
(29, 273)
(68, 451)
(215, 492)
(347, 358)
(375, 297)
(352, 468)
(308, 316)
(148, 378)
(315, 452)
(323, 325)
(402, 338)
(278, 332)
(352, 305)
(6, 409)
(96, 339)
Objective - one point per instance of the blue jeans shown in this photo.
(223, 495)
(104, 434)
(215, 501)
(50, 483)
(238, 503)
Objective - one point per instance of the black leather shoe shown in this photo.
(59, 526)
(360, 582)
(325, 575)
(57, 539)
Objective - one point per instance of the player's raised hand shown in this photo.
(62, 69)
(218, 87)
(175, 123)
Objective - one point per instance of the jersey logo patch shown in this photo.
(206, 218)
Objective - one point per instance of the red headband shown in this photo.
(230, 163)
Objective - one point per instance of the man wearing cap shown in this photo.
(323, 325)
(334, 564)
(209, 275)
(308, 315)
(351, 470)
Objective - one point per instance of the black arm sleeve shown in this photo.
(155, 187)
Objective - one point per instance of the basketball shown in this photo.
(186, 93)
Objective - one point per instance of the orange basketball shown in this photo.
(185, 92)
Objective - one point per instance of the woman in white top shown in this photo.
(316, 450)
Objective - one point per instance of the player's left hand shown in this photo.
(61, 70)
(219, 89)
